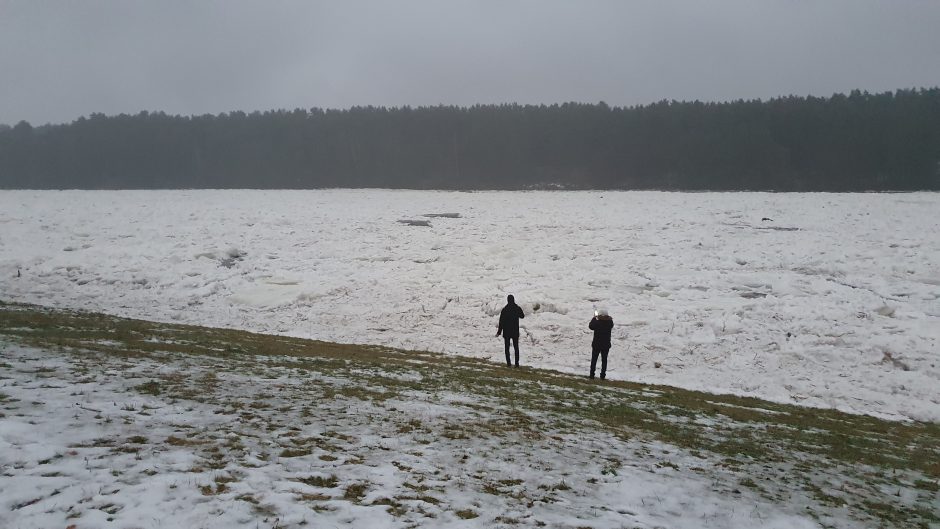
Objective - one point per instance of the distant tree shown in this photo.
(854, 142)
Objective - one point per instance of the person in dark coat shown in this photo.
(601, 324)
(509, 326)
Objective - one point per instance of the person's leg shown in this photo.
(515, 346)
(594, 352)
(604, 363)
(506, 341)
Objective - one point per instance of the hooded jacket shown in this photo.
(509, 320)
(601, 325)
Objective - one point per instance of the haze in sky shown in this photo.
(61, 60)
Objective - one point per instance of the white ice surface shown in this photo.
(835, 302)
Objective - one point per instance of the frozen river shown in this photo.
(820, 299)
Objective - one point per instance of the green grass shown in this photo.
(355, 492)
(294, 452)
(327, 482)
(767, 442)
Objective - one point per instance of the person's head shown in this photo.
(600, 313)
(511, 299)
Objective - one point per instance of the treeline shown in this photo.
(855, 142)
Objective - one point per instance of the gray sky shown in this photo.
(63, 59)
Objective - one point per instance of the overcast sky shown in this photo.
(63, 59)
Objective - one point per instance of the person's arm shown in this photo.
(499, 330)
(592, 324)
(521, 314)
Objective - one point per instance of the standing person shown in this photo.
(601, 324)
(509, 326)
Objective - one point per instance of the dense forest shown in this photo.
(855, 142)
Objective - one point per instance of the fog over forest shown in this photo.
(856, 142)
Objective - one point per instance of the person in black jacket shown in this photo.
(509, 326)
(601, 324)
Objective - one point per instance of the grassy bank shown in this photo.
(841, 466)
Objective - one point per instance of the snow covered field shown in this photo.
(93, 454)
(834, 301)
(126, 423)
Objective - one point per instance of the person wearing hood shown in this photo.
(509, 326)
(601, 324)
